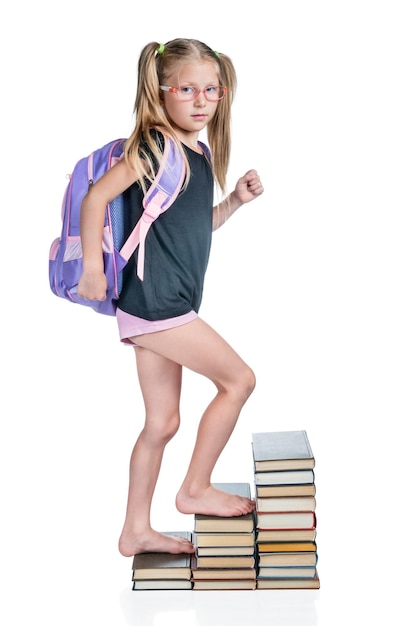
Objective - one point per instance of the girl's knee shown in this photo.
(170, 427)
(249, 381)
(162, 431)
(243, 384)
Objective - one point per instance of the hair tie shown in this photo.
(160, 49)
(217, 54)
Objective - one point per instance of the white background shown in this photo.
(314, 284)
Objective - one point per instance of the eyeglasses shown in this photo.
(188, 92)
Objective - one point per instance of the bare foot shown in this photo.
(212, 501)
(152, 541)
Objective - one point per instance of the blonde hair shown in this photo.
(156, 63)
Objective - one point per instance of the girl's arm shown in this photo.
(93, 284)
(248, 187)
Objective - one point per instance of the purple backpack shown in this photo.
(65, 255)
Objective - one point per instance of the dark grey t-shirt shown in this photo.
(176, 252)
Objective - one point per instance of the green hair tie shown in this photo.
(217, 54)
(160, 49)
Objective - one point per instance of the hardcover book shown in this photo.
(286, 572)
(288, 583)
(233, 584)
(205, 540)
(287, 559)
(277, 491)
(297, 519)
(163, 566)
(282, 450)
(160, 583)
(284, 477)
(276, 505)
(219, 562)
(204, 523)
(288, 546)
(239, 489)
(221, 573)
(226, 551)
(292, 534)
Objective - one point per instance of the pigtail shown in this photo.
(149, 117)
(219, 129)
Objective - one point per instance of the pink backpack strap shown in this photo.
(159, 197)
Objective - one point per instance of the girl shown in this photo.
(183, 87)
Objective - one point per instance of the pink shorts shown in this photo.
(131, 326)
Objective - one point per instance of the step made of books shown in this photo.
(285, 517)
(225, 555)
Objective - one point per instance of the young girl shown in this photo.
(183, 87)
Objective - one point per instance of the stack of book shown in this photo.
(224, 548)
(160, 570)
(285, 511)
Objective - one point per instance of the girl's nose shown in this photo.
(200, 99)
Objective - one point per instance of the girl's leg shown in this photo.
(198, 347)
(160, 381)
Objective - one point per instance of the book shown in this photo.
(282, 450)
(287, 559)
(239, 489)
(202, 585)
(204, 523)
(235, 562)
(288, 546)
(290, 519)
(286, 572)
(289, 583)
(216, 524)
(275, 505)
(282, 477)
(161, 565)
(226, 551)
(161, 584)
(285, 534)
(224, 539)
(276, 491)
(221, 573)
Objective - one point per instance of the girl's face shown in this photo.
(188, 117)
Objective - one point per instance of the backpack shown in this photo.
(65, 255)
